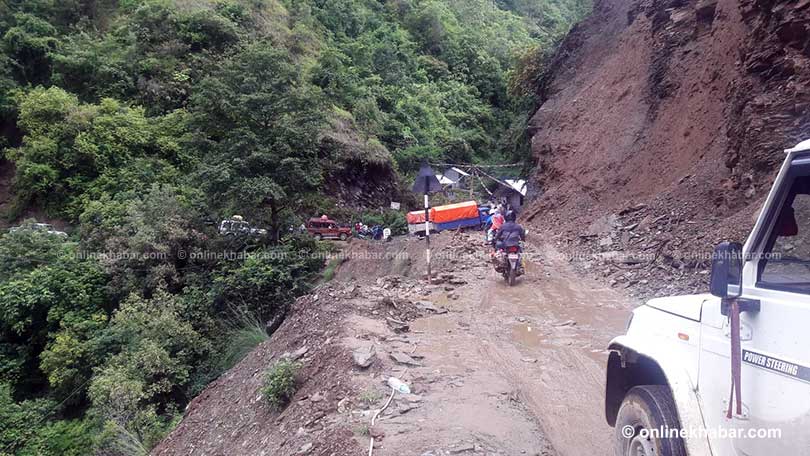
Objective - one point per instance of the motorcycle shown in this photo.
(513, 266)
(509, 263)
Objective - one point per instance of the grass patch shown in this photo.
(118, 440)
(246, 332)
(370, 397)
(362, 430)
(331, 268)
(280, 383)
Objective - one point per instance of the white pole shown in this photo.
(427, 230)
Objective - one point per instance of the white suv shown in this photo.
(670, 378)
(40, 227)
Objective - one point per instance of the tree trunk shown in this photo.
(274, 221)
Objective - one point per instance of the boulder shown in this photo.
(364, 357)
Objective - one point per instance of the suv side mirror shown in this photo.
(726, 281)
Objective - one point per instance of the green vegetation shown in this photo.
(142, 123)
(331, 268)
(245, 334)
(280, 383)
(370, 397)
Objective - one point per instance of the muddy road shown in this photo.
(512, 370)
(494, 370)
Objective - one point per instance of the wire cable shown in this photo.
(373, 418)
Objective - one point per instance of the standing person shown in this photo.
(488, 220)
(488, 225)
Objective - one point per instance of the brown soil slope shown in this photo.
(662, 127)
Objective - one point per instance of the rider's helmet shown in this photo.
(510, 216)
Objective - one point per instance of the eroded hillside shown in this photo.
(662, 126)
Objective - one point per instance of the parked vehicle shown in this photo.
(447, 217)
(324, 228)
(39, 227)
(681, 356)
(237, 226)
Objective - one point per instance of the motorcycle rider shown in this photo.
(509, 235)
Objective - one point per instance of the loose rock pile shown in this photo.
(651, 251)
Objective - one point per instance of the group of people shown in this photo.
(376, 232)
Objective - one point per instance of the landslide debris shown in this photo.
(662, 126)
(349, 337)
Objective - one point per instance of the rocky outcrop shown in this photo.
(770, 102)
(360, 170)
(682, 105)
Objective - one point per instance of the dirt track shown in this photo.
(520, 368)
(495, 370)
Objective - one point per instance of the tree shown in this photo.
(29, 44)
(17, 420)
(158, 355)
(150, 243)
(260, 120)
(267, 281)
(56, 293)
(71, 148)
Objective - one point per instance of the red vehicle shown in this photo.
(324, 228)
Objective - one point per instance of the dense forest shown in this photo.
(139, 124)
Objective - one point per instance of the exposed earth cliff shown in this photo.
(661, 130)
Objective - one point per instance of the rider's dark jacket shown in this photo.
(510, 235)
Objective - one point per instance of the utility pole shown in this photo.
(426, 183)
(471, 181)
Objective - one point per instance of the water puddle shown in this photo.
(434, 325)
(527, 335)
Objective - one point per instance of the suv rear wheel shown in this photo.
(317, 236)
(646, 412)
(342, 236)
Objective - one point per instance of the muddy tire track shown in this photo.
(547, 336)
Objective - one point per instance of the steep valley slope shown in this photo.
(662, 126)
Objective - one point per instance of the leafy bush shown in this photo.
(17, 420)
(72, 150)
(280, 383)
(156, 233)
(47, 294)
(63, 438)
(269, 279)
(157, 357)
(204, 30)
(157, 354)
(29, 44)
